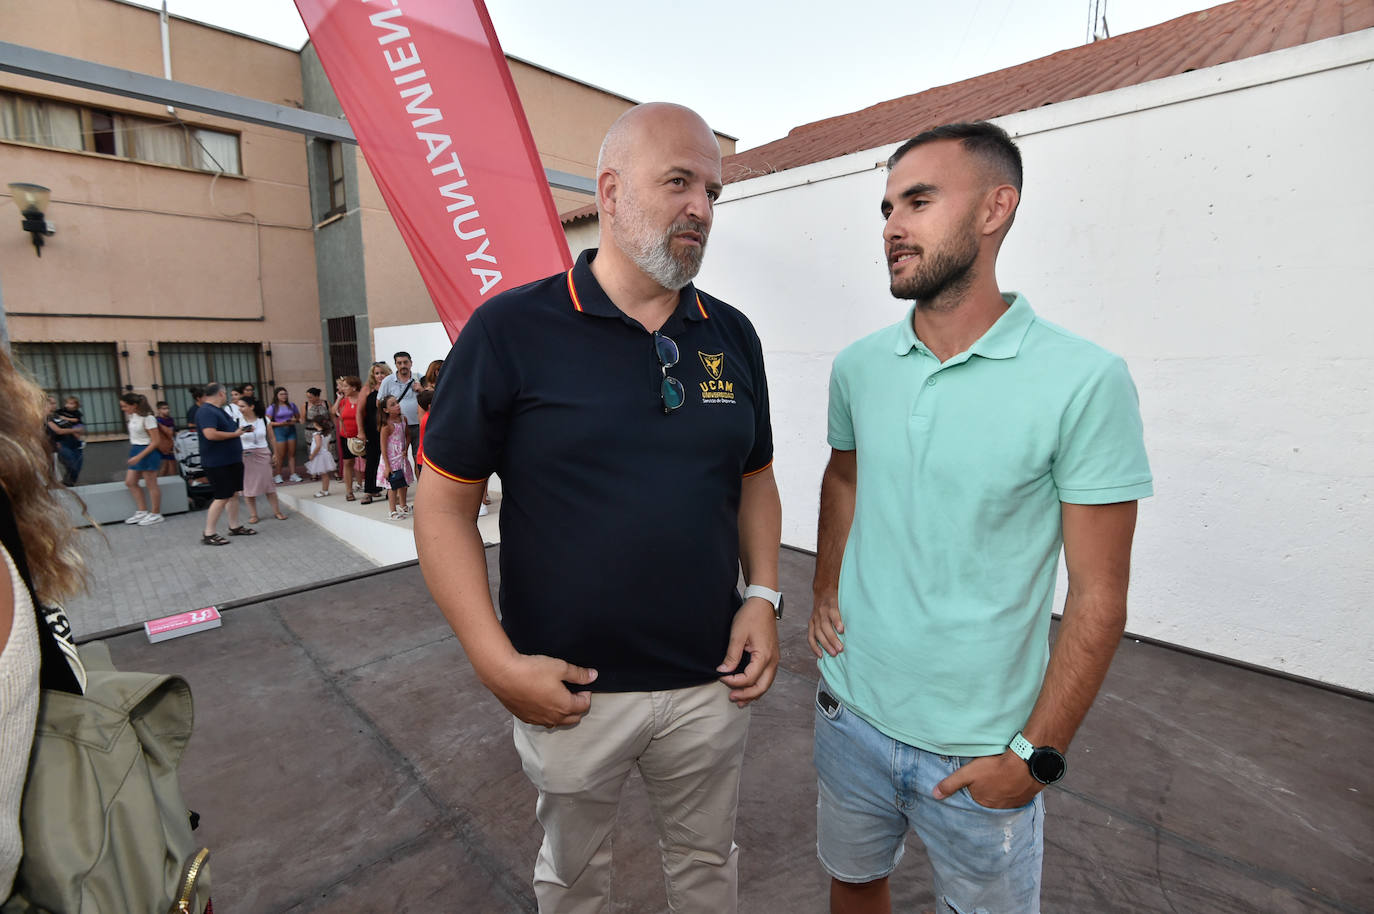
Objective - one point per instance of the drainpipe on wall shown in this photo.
(166, 51)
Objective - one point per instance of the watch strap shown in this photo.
(1021, 746)
(758, 590)
(767, 593)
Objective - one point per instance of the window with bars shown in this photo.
(187, 364)
(343, 346)
(87, 371)
(59, 125)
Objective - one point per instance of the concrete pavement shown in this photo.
(346, 760)
(140, 573)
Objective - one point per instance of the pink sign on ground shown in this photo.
(197, 620)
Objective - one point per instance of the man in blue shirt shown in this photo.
(221, 457)
(970, 440)
(404, 386)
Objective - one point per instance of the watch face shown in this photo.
(1047, 765)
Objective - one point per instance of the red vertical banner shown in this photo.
(425, 87)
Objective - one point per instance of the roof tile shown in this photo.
(1232, 31)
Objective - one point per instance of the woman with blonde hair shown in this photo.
(144, 459)
(40, 565)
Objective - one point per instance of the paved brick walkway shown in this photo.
(139, 573)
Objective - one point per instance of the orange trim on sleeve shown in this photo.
(746, 475)
(702, 308)
(572, 290)
(447, 475)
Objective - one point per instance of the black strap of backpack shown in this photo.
(55, 671)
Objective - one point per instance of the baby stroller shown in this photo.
(186, 449)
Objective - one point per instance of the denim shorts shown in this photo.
(148, 464)
(873, 788)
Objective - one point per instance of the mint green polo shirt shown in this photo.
(949, 572)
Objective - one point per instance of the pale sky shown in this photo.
(754, 69)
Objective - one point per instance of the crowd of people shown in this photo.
(368, 438)
(375, 429)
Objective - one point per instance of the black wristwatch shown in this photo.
(1046, 763)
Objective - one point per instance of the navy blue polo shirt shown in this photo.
(619, 524)
(226, 451)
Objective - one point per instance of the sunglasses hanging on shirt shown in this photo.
(670, 390)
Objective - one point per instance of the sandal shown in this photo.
(322, 494)
(279, 516)
(367, 500)
(351, 497)
(213, 539)
(254, 520)
(242, 531)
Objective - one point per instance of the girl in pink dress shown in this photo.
(394, 471)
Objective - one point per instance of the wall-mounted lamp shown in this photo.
(32, 200)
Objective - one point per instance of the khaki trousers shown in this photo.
(688, 745)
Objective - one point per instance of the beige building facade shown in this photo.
(180, 236)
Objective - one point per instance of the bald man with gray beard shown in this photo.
(627, 414)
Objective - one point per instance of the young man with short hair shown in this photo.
(970, 440)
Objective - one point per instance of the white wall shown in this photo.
(424, 342)
(1215, 229)
(582, 235)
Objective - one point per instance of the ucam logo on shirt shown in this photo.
(715, 389)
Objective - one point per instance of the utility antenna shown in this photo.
(1097, 21)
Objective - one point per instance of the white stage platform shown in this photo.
(366, 527)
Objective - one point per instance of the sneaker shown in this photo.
(137, 516)
(150, 520)
(483, 511)
(295, 477)
(277, 479)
